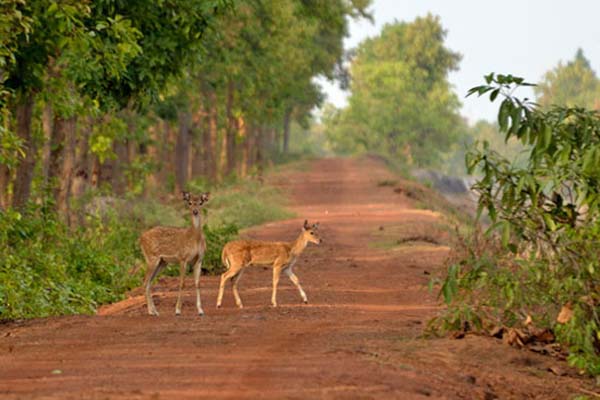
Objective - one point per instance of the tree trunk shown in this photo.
(4, 182)
(249, 148)
(200, 126)
(182, 151)
(153, 154)
(164, 155)
(286, 131)
(222, 162)
(96, 172)
(5, 172)
(210, 144)
(62, 162)
(81, 173)
(259, 144)
(24, 170)
(119, 181)
(231, 130)
(243, 133)
(47, 129)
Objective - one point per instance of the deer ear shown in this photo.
(186, 196)
(316, 226)
(204, 197)
(306, 227)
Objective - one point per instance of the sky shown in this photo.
(522, 37)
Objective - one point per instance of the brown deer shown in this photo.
(282, 256)
(163, 245)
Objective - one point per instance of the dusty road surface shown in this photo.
(358, 338)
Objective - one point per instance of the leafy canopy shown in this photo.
(401, 102)
(572, 84)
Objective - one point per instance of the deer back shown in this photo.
(246, 252)
(172, 244)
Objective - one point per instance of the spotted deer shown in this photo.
(282, 256)
(164, 245)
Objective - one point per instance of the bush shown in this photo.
(46, 269)
(216, 238)
(540, 255)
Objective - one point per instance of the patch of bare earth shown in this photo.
(359, 338)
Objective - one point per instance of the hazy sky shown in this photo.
(522, 37)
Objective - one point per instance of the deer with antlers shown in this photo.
(163, 245)
(282, 256)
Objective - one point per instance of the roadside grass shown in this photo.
(245, 204)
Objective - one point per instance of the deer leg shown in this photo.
(276, 273)
(153, 268)
(236, 279)
(182, 269)
(224, 276)
(197, 273)
(296, 282)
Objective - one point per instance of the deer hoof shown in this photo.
(201, 313)
(305, 301)
(154, 313)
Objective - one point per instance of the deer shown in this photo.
(281, 256)
(164, 245)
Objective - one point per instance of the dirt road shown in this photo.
(359, 337)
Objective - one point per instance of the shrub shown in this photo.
(47, 269)
(540, 254)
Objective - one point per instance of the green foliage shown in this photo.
(45, 269)
(401, 102)
(541, 250)
(216, 238)
(573, 84)
(482, 131)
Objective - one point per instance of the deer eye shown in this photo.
(312, 233)
(190, 203)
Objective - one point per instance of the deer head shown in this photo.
(194, 203)
(311, 233)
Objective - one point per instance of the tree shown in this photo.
(86, 60)
(401, 102)
(258, 77)
(574, 84)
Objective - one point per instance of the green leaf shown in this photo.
(549, 222)
(494, 94)
(503, 114)
(505, 233)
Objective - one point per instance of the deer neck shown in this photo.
(299, 245)
(196, 227)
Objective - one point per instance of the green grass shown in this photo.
(246, 204)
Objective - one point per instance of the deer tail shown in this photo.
(224, 260)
